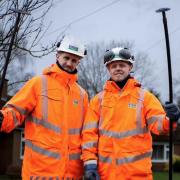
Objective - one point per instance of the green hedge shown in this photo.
(176, 164)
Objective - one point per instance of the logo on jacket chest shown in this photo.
(75, 102)
(132, 106)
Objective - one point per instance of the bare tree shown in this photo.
(30, 26)
(176, 87)
(143, 70)
(93, 73)
(30, 31)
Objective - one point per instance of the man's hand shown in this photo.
(90, 172)
(172, 111)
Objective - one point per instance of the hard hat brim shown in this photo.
(118, 59)
(70, 51)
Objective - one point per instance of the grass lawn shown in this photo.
(165, 176)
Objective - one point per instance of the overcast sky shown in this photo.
(105, 20)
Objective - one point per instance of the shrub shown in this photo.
(176, 164)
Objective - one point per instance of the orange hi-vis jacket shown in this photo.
(53, 107)
(117, 131)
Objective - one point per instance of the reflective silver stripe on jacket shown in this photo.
(155, 118)
(19, 109)
(16, 123)
(74, 131)
(159, 120)
(139, 109)
(45, 124)
(123, 134)
(90, 125)
(126, 160)
(75, 156)
(42, 151)
(82, 94)
(138, 130)
(160, 126)
(104, 159)
(100, 99)
(44, 98)
(89, 145)
(133, 158)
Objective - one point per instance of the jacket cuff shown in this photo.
(92, 161)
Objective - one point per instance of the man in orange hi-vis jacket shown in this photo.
(53, 107)
(117, 142)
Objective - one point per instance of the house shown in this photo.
(161, 149)
(11, 145)
(11, 150)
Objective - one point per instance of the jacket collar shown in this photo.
(62, 76)
(111, 86)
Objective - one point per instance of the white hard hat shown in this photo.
(71, 45)
(118, 54)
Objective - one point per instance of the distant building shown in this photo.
(161, 149)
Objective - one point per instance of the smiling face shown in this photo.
(68, 62)
(119, 70)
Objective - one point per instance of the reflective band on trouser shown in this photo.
(89, 145)
(44, 178)
(42, 151)
(45, 124)
(90, 125)
(75, 156)
(133, 158)
(123, 134)
(19, 109)
(44, 99)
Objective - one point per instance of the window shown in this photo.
(22, 145)
(160, 152)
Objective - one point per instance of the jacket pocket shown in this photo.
(52, 103)
(54, 94)
(105, 144)
(108, 102)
